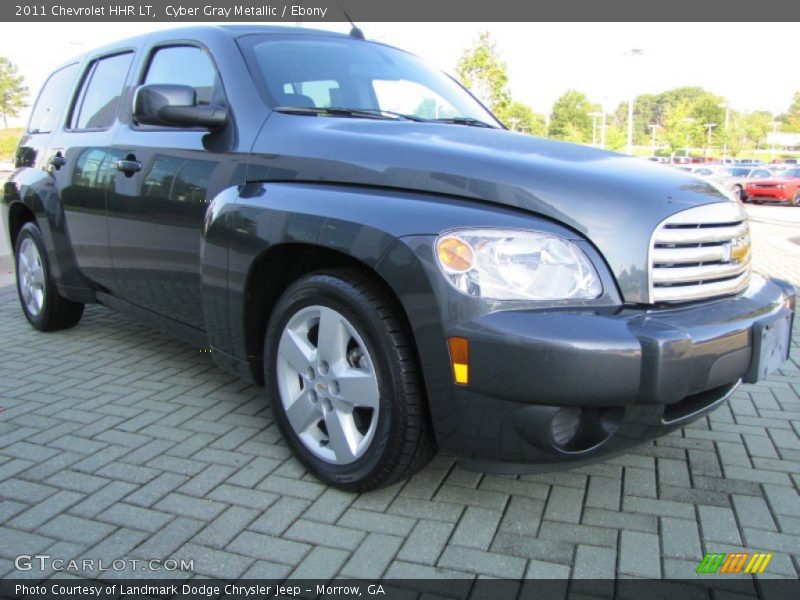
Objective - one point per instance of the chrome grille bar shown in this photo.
(699, 253)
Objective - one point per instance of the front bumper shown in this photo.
(767, 194)
(562, 387)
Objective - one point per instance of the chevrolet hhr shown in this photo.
(351, 229)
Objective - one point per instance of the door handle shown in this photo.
(57, 161)
(129, 166)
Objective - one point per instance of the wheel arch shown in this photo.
(18, 215)
(276, 268)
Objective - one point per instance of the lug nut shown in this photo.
(310, 373)
(334, 387)
(327, 404)
(312, 395)
(323, 368)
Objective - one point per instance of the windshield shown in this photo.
(792, 173)
(738, 172)
(329, 72)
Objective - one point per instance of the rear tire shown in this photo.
(739, 191)
(796, 201)
(38, 294)
(328, 331)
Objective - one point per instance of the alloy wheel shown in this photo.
(327, 384)
(30, 273)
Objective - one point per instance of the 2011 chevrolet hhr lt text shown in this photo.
(353, 230)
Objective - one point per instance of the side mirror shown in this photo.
(176, 106)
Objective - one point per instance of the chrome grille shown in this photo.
(700, 253)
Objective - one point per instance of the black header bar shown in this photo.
(364, 11)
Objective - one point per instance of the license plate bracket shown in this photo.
(771, 341)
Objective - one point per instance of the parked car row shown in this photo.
(773, 183)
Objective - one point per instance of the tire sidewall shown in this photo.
(31, 231)
(314, 290)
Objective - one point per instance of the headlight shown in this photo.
(502, 264)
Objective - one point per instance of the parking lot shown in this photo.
(119, 442)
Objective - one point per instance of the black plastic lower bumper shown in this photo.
(563, 387)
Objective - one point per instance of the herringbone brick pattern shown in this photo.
(116, 441)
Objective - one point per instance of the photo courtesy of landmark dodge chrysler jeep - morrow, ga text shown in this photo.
(353, 230)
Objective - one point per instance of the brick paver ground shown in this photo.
(117, 441)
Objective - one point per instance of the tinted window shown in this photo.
(97, 103)
(50, 104)
(186, 65)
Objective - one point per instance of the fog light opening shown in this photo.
(575, 429)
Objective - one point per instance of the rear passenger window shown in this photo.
(50, 104)
(99, 97)
(186, 65)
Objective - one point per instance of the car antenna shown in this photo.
(355, 32)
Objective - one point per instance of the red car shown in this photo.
(785, 188)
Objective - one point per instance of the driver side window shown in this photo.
(186, 65)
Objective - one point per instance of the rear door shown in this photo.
(82, 161)
(159, 199)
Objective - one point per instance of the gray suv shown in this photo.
(351, 229)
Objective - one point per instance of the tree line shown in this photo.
(674, 120)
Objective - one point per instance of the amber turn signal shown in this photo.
(455, 254)
(459, 358)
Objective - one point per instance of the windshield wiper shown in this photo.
(464, 121)
(335, 111)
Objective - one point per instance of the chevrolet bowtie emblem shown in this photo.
(737, 249)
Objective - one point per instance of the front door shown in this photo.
(163, 184)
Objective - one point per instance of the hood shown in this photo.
(614, 201)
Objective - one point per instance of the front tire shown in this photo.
(344, 382)
(796, 200)
(38, 294)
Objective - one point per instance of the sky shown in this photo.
(544, 59)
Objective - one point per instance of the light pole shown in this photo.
(633, 53)
(687, 138)
(774, 135)
(603, 131)
(727, 108)
(594, 116)
(709, 128)
(653, 127)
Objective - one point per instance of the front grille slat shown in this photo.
(695, 254)
(718, 270)
(699, 253)
(701, 235)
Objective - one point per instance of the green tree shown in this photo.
(757, 125)
(570, 119)
(791, 120)
(521, 117)
(481, 70)
(650, 109)
(13, 92)
(681, 128)
(616, 137)
(735, 138)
